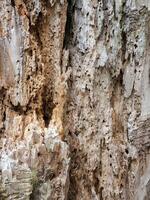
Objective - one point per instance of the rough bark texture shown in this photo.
(75, 99)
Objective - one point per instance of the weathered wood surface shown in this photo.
(74, 99)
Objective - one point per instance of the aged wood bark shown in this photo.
(75, 99)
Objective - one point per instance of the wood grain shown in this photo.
(6, 65)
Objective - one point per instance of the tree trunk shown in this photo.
(75, 99)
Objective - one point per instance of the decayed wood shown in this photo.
(74, 99)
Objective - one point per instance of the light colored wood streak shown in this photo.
(6, 66)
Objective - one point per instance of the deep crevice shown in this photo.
(123, 33)
(114, 8)
(18, 108)
(13, 3)
(47, 105)
(73, 190)
(101, 193)
(69, 24)
(124, 42)
(3, 110)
